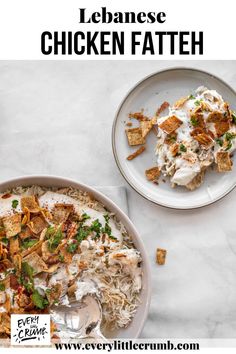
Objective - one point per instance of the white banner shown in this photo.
(166, 29)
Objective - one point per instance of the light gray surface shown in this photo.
(56, 118)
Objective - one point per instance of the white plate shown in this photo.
(136, 325)
(168, 85)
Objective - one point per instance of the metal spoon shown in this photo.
(79, 320)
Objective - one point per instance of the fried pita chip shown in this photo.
(61, 212)
(37, 224)
(162, 108)
(170, 124)
(14, 245)
(52, 268)
(12, 225)
(197, 120)
(223, 161)
(217, 116)
(135, 137)
(146, 127)
(205, 140)
(30, 203)
(152, 173)
(222, 127)
(36, 262)
(160, 256)
(35, 248)
(136, 153)
(180, 102)
(25, 232)
(139, 116)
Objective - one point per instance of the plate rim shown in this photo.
(130, 91)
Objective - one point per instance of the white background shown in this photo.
(22, 22)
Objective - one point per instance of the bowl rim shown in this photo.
(114, 150)
(31, 180)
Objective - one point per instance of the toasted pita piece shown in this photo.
(12, 225)
(197, 131)
(14, 245)
(197, 120)
(180, 102)
(36, 262)
(37, 224)
(139, 116)
(5, 323)
(161, 256)
(152, 173)
(25, 232)
(223, 161)
(46, 254)
(162, 108)
(136, 153)
(52, 268)
(222, 127)
(196, 181)
(37, 248)
(135, 137)
(30, 203)
(146, 127)
(204, 139)
(170, 124)
(217, 116)
(61, 212)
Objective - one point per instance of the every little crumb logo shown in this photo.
(30, 329)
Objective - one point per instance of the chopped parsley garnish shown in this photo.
(38, 300)
(50, 231)
(82, 233)
(106, 229)
(191, 97)
(228, 146)
(229, 137)
(172, 139)
(233, 115)
(61, 258)
(14, 203)
(55, 239)
(197, 103)
(85, 217)
(2, 287)
(28, 242)
(27, 270)
(219, 141)
(72, 247)
(182, 148)
(5, 241)
(96, 227)
(194, 121)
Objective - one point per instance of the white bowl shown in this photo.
(135, 327)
